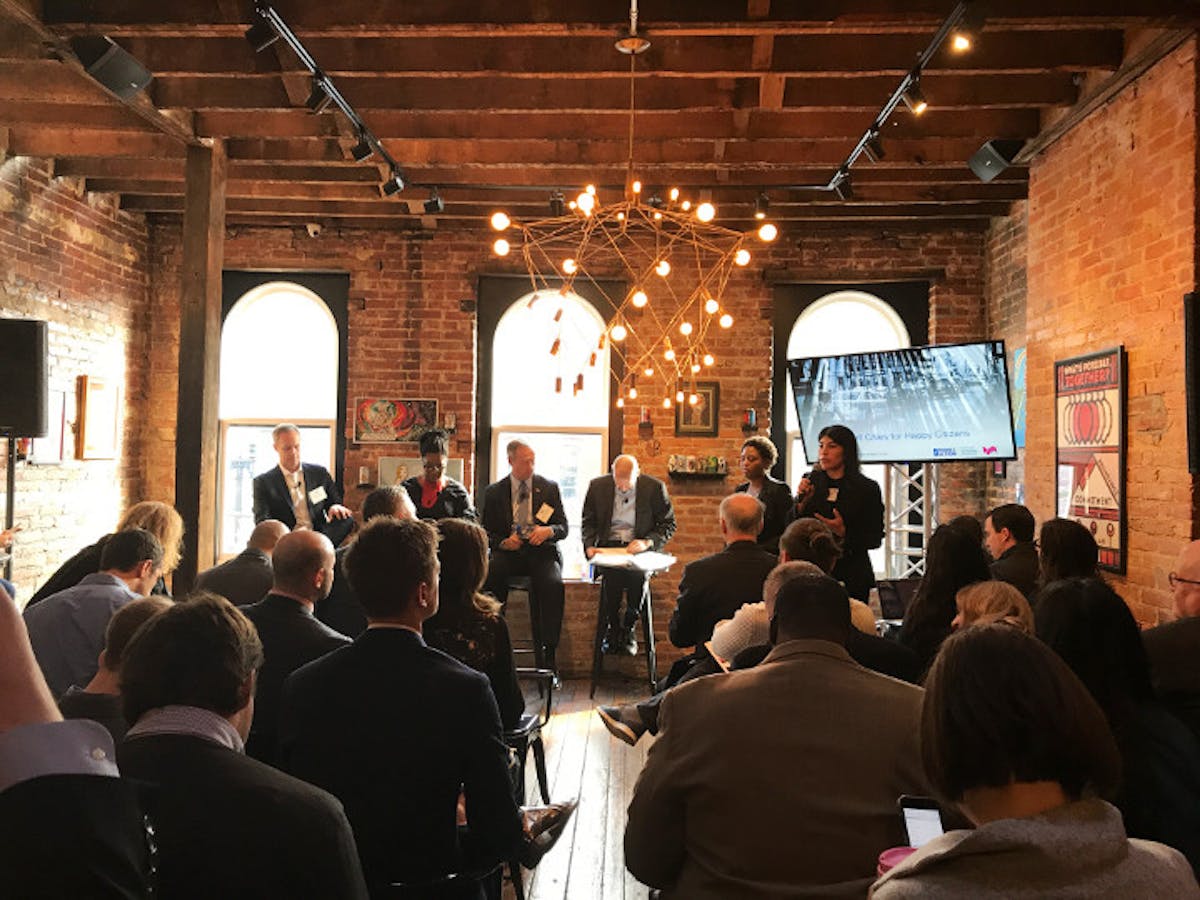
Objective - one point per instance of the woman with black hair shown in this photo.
(953, 560)
(841, 496)
(757, 457)
(1087, 624)
(1066, 549)
(435, 494)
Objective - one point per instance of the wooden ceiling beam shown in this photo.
(51, 141)
(172, 170)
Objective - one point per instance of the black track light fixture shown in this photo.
(393, 185)
(873, 148)
(965, 34)
(842, 185)
(319, 98)
(362, 150)
(914, 99)
(761, 205)
(558, 206)
(434, 204)
(261, 35)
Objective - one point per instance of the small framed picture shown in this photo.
(99, 411)
(698, 416)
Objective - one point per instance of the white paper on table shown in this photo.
(617, 558)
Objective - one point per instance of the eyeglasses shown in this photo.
(433, 467)
(1174, 579)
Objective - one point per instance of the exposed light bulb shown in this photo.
(666, 402)
(657, 214)
(679, 396)
(695, 368)
(960, 43)
(570, 266)
(669, 355)
(685, 328)
(674, 195)
(709, 359)
(711, 306)
(620, 403)
(726, 321)
(706, 212)
(590, 189)
(767, 232)
(620, 217)
(637, 187)
(685, 205)
(663, 268)
(500, 221)
(648, 371)
(586, 203)
(619, 332)
(693, 399)
(633, 393)
(500, 248)
(572, 205)
(639, 298)
(742, 257)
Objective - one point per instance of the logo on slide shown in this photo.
(988, 451)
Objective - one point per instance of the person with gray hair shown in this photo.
(631, 511)
(300, 495)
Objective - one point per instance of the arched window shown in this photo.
(279, 363)
(543, 344)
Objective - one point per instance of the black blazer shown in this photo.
(273, 500)
(395, 729)
(245, 579)
(228, 826)
(714, 587)
(1019, 566)
(861, 506)
(497, 517)
(453, 501)
(291, 637)
(654, 516)
(780, 509)
(341, 610)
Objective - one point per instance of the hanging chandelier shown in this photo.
(674, 258)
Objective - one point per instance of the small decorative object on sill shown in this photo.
(364, 478)
(750, 421)
(683, 467)
(449, 423)
(645, 425)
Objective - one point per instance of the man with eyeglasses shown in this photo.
(1174, 648)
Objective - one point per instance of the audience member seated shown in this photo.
(341, 610)
(398, 730)
(1092, 629)
(1008, 534)
(992, 601)
(72, 827)
(435, 495)
(779, 507)
(714, 587)
(291, 636)
(100, 700)
(1174, 648)
(159, 519)
(952, 561)
(778, 781)
(968, 525)
(1011, 737)
(1066, 549)
(630, 510)
(247, 577)
(300, 495)
(225, 825)
(468, 624)
(67, 628)
(524, 517)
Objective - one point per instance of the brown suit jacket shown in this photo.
(777, 781)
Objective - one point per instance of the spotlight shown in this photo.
(319, 98)
(913, 98)
(842, 186)
(394, 184)
(434, 204)
(656, 202)
(362, 150)
(874, 148)
(761, 205)
(966, 32)
(557, 206)
(261, 35)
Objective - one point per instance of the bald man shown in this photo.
(1174, 648)
(631, 511)
(247, 577)
(291, 635)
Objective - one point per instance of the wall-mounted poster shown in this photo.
(99, 414)
(1089, 398)
(379, 420)
(699, 419)
(1020, 355)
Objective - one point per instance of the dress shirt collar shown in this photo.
(71, 747)
(108, 580)
(189, 720)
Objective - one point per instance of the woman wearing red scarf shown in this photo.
(434, 494)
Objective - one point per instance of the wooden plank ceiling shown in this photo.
(501, 102)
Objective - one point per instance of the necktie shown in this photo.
(523, 503)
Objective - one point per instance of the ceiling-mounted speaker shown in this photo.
(110, 65)
(993, 158)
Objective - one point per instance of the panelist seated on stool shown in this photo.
(300, 495)
(630, 510)
(524, 518)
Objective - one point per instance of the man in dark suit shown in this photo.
(697, 824)
(398, 730)
(226, 825)
(1174, 648)
(291, 636)
(524, 518)
(247, 577)
(632, 511)
(300, 495)
(1008, 536)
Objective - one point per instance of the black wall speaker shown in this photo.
(993, 158)
(1191, 376)
(110, 65)
(23, 371)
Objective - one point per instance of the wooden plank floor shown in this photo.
(584, 761)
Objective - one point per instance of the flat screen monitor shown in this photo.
(920, 404)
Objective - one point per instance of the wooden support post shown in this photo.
(199, 359)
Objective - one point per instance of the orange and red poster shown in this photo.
(1089, 396)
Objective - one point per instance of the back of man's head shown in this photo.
(124, 551)
(125, 623)
(742, 516)
(387, 564)
(266, 535)
(812, 607)
(781, 575)
(297, 559)
(389, 500)
(1016, 518)
(200, 652)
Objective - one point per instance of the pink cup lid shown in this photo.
(892, 857)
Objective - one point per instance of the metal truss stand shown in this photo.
(911, 501)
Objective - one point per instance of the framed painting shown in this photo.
(383, 420)
(699, 419)
(99, 409)
(1090, 402)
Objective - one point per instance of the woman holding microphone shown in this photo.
(840, 495)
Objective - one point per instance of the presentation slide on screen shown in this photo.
(922, 404)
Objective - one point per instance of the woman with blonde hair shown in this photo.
(986, 602)
(160, 519)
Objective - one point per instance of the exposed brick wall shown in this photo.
(78, 262)
(1005, 289)
(1111, 251)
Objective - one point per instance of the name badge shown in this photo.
(833, 494)
(316, 495)
(545, 511)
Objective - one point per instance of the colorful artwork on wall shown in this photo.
(381, 420)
